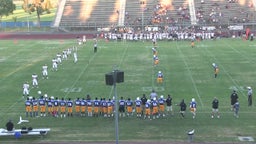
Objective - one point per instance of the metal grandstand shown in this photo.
(139, 14)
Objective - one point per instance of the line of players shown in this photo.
(55, 63)
(142, 107)
(160, 74)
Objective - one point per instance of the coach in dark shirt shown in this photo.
(9, 126)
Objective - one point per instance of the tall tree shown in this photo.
(6, 7)
(38, 6)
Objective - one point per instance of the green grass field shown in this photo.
(188, 73)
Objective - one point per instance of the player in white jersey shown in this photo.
(45, 71)
(84, 39)
(75, 57)
(25, 89)
(54, 64)
(65, 55)
(69, 51)
(35, 80)
(59, 58)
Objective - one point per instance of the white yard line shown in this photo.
(223, 68)
(117, 66)
(189, 71)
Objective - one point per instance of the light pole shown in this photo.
(112, 78)
(116, 109)
(142, 14)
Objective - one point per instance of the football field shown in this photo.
(188, 73)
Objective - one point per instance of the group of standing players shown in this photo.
(34, 105)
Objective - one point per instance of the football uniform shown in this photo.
(77, 105)
(62, 107)
(105, 107)
(155, 107)
(70, 107)
(54, 64)
(42, 106)
(138, 106)
(75, 57)
(28, 105)
(147, 109)
(59, 58)
(89, 107)
(156, 60)
(50, 106)
(110, 107)
(83, 106)
(129, 104)
(45, 71)
(160, 77)
(56, 107)
(25, 89)
(193, 107)
(96, 104)
(35, 107)
(34, 80)
(161, 102)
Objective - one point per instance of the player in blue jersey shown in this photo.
(78, 106)
(83, 106)
(129, 107)
(110, 106)
(147, 109)
(160, 77)
(105, 107)
(155, 112)
(122, 107)
(35, 107)
(50, 106)
(28, 106)
(156, 60)
(89, 104)
(42, 106)
(96, 107)
(138, 105)
(193, 107)
(161, 102)
(70, 107)
(56, 107)
(62, 108)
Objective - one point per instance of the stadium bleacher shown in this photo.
(82, 13)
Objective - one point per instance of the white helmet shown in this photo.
(39, 92)
(162, 96)
(193, 99)
(52, 97)
(138, 98)
(249, 87)
(159, 72)
(148, 100)
(154, 98)
(45, 95)
(30, 97)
